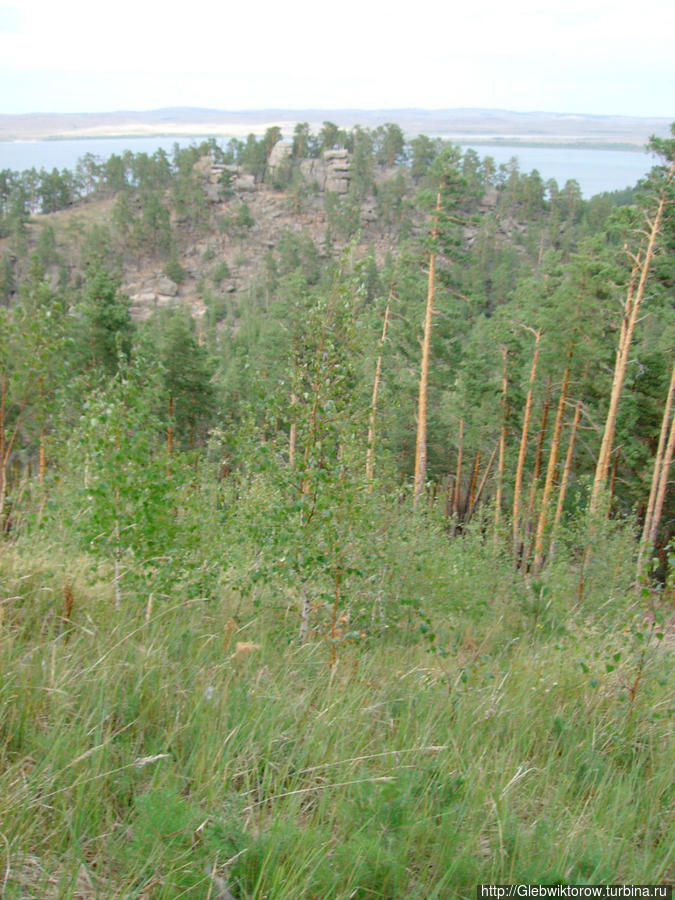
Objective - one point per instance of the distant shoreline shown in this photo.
(241, 132)
(462, 126)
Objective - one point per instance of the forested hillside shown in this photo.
(335, 526)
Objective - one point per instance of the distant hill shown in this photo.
(472, 125)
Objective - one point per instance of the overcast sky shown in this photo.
(585, 56)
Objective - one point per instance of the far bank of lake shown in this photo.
(596, 170)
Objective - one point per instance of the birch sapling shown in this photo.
(370, 452)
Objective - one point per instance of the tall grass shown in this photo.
(493, 734)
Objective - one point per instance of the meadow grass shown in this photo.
(142, 756)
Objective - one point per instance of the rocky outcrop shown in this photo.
(489, 198)
(151, 292)
(166, 286)
(314, 172)
(279, 157)
(331, 173)
(242, 181)
(211, 175)
(337, 170)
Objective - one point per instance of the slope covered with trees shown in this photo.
(369, 416)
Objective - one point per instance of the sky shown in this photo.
(577, 56)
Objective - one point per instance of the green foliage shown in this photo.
(219, 272)
(244, 219)
(305, 145)
(172, 766)
(7, 283)
(513, 253)
(107, 329)
(174, 270)
(186, 378)
(119, 494)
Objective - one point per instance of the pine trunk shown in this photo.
(612, 480)
(631, 310)
(458, 477)
(472, 487)
(523, 445)
(663, 487)
(550, 473)
(42, 464)
(421, 443)
(292, 436)
(528, 524)
(169, 435)
(502, 445)
(656, 477)
(566, 475)
(370, 452)
(481, 486)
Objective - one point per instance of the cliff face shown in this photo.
(248, 222)
(215, 237)
(219, 262)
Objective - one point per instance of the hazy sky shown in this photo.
(586, 56)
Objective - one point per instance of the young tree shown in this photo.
(370, 452)
(445, 224)
(187, 374)
(108, 330)
(421, 441)
(661, 200)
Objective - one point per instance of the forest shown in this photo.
(337, 544)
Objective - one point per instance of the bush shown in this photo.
(175, 271)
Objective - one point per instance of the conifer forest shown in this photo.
(337, 523)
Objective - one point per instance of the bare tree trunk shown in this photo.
(458, 477)
(523, 445)
(293, 436)
(421, 443)
(656, 477)
(481, 486)
(631, 309)
(472, 488)
(502, 445)
(566, 475)
(370, 452)
(42, 464)
(663, 487)
(527, 547)
(304, 617)
(169, 434)
(612, 481)
(550, 472)
(542, 432)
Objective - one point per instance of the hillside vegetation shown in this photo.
(335, 529)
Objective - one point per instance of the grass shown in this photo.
(141, 756)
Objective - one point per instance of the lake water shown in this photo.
(595, 170)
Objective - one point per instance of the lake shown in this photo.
(595, 170)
